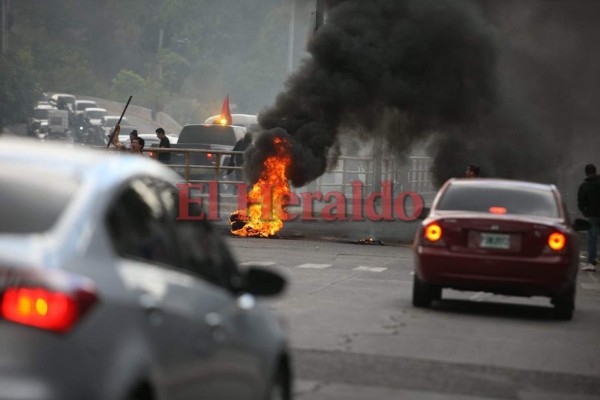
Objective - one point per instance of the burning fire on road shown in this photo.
(268, 198)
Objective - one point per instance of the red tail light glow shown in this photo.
(54, 307)
(557, 241)
(209, 155)
(433, 232)
(498, 210)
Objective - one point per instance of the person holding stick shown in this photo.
(137, 143)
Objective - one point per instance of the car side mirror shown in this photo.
(581, 225)
(262, 282)
(424, 213)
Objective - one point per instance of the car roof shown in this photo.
(45, 107)
(95, 109)
(93, 165)
(101, 174)
(495, 182)
(245, 120)
(57, 95)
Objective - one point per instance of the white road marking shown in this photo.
(314, 266)
(370, 269)
(259, 263)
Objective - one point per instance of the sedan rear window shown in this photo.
(501, 200)
(32, 200)
(211, 134)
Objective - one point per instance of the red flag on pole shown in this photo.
(225, 118)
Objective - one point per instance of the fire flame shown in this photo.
(267, 199)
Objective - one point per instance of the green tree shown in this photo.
(127, 83)
(17, 88)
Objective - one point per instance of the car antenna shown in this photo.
(110, 139)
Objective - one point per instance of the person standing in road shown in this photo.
(137, 145)
(472, 171)
(237, 160)
(165, 143)
(588, 202)
(132, 135)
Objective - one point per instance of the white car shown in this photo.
(94, 115)
(82, 105)
(245, 120)
(106, 295)
(109, 121)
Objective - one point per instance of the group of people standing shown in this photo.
(136, 143)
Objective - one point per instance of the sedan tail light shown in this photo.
(53, 301)
(433, 232)
(432, 235)
(557, 241)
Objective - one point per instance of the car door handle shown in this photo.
(214, 322)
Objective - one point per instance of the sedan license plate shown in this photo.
(494, 241)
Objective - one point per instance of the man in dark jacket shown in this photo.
(237, 160)
(165, 143)
(588, 202)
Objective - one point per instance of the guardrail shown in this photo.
(339, 179)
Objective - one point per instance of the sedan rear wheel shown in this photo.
(424, 294)
(564, 304)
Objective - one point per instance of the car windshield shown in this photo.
(83, 106)
(111, 121)
(212, 134)
(66, 99)
(96, 114)
(33, 201)
(40, 113)
(500, 199)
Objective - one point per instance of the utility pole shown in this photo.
(292, 32)
(158, 55)
(4, 21)
(319, 14)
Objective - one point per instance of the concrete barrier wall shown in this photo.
(162, 119)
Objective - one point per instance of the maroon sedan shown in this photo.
(499, 236)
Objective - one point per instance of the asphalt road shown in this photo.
(356, 335)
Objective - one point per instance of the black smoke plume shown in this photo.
(428, 66)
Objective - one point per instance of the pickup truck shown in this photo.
(207, 137)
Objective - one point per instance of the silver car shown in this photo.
(105, 294)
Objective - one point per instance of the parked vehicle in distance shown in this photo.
(58, 123)
(81, 105)
(205, 137)
(63, 98)
(498, 236)
(38, 122)
(94, 115)
(106, 295)
(109, 121)
(245, 120)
